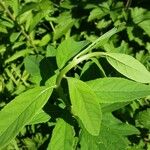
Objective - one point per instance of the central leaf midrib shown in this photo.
(84, 106)
(124, 64)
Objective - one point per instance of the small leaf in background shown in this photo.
(111, 90)
(98, 13)
(143, 118)
(32, 64)
(62, 136)
(50, 51)
(14, 4)
(140, 17)
(103, 24)
(44, 8)
(44, 41)
(64, 25)
(17, 55)
(15, 115)
(129, 67)
(67, 49)
(85, 105)
(14, 36)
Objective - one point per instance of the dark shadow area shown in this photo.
(47, 68)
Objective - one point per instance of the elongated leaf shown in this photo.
(18, 55)
(111, 90)
(129, 67)
(85, 105)
(15, 115)
(68, 49)
(62, 137)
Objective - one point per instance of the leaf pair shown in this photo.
(86, 98)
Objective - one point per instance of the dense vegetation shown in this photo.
(74, 75)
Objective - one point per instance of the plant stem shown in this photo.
(97, 42)
(128, 4)
(7, 10)
(75, 62)
(21, 27)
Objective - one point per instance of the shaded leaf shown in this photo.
(143, 118)
(63, 26)
(62, 136)
(67, 49)
(32, 64)
(17, 55)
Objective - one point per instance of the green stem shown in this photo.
(7, 10)
(75, 62)
(97, 42)
(128, 4)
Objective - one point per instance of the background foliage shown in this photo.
(33, 31)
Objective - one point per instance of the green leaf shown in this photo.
(111, 90)
(141, 17)
(17, 55)
(129, 67)
(32, 64)
(40, 117)
(14, 36)
(44, 41)
(63, 26)
(112, 131)
(110, 107)
(98, 13)
(67, 49)
(107, 140)
(85, 105)
(143, 118)
(62, 136)
(15, 115)
(14, 4)
(117, 126)
(50, 51)
(44, 8)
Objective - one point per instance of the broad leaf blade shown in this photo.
(111, 90)
(15, 115)
(85, 105)
(62, 137)
(107, 140)
(129, 67)
(67, 49)
(112, 131)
